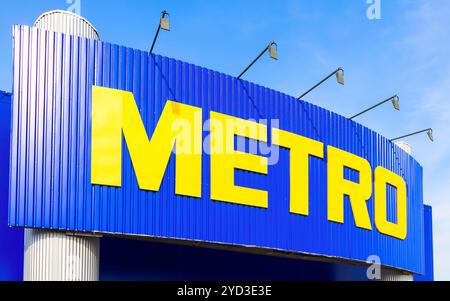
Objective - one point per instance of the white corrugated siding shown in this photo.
(405, 146)
(53, 256)
(67, 22)
(390, 275)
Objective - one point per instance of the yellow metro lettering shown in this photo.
(115, 115)
(301, 149)
(383, 177)
(338, 187)
(225, 160)
(114, 112)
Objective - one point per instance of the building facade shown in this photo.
(116, 154)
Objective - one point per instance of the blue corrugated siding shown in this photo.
(11, 240)
(429, 248)
(50, 174)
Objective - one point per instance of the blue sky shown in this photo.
(405, 52)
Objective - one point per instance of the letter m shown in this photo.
(115, 115)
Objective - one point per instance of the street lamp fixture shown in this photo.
(272, 48)
(395, 103)
(164, 24)
(339, 73)
(428, 131)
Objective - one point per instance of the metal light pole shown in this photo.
(273, 52)
(164, 24)
(339, 77)
(395, 102)
(428, 131)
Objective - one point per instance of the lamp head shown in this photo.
(396, 102)
(430, 135)
(273, 50)
(165, 21)
(340, 76)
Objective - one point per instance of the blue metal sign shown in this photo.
(51, 176)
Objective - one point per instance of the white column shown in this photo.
(394, 275)
(391, 274)
(405, 146)
(57, 256)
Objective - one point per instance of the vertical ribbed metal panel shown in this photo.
(11, 240)
(390, 275)
(66, 22)
(53, 256)
(429, 244)
(50, 174)
(428, 275)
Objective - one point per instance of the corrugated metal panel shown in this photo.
(395, 276)
(429, 247)
(11, 240)
(53, 256)
(50, 175)
(67, 22)
(405, 146)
